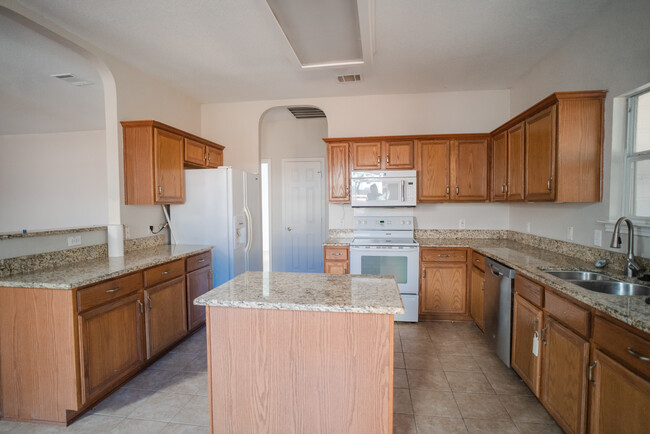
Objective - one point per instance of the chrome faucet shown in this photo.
(632, 267)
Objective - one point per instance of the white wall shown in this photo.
(612, 53)
(53, 180)
(283, 136)
(237, 126)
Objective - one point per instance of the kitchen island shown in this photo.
(295, 353)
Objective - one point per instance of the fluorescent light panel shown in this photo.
(322, 33)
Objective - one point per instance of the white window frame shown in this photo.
(632, 157)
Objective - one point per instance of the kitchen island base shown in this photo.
(297, 371)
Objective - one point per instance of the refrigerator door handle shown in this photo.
(249, 231)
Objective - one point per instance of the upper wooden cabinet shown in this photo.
(554, 151)
(338, 171)
(155, 155)
(432, 164)
(382, 155)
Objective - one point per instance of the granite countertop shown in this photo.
(308, 291)
(530, 261)
(89, 272)
(338, 241)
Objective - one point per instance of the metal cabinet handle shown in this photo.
(591, 370)
(457, 190)
(347, 190)
(160, 189)
(345, 269)
(442, 256)
(548, 184)
(113, 290)
(378, 160)
(424, 273)
(336, 254)
(141, 307)
(149, 302)
(447, 190)
(637, 355)
(543, 334)
(506, 186)
(165, 272)
(387, 159)
(503, 188)
(201, 260)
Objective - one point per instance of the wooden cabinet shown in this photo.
(432, 164)
(499, 167)
(540, 156)
(202, 154)
(155, 155)
(452, 170)
(527, 322)
(508, 165)
(336, 260)
(199, 281)
(564, 376)
(443, 284)
(111, 344)
(477, 299)
(338, 171)
(165, 315)
(387, 154)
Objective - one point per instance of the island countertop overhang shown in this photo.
(308, 292)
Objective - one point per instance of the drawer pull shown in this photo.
(443, 256)
(336, 254)
(149, 302)
(543, 333)
(201, 260)
(141, 307)
(637, 355)
(591, 369)
(165, 272)
(113, 290)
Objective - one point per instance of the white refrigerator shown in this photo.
(222, 208)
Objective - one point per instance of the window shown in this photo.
(638, 156)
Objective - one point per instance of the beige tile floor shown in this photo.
(446, 381)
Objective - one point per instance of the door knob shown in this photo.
(289, 228)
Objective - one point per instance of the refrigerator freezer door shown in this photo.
(254, 214)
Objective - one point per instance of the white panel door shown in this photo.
(302, 198)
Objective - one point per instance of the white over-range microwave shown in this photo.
(387, 188)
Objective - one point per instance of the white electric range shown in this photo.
(385, 245)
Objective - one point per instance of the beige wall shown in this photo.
(612, 53)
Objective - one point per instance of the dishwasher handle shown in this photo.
(496, 272)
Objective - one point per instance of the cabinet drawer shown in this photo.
(336, 253)
(622, 344)
(164, 272)
(101, 293)
(478, 261)
(531, 291)
(198, 261)
(568, 313)
(444, 255)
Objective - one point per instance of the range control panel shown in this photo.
(383, 223)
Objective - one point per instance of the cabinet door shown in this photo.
(526, 324)
(443, 289)
(214, 156)
(515, 186)
(198, 283)
(336, 267)
(499, 166)
(469, 166)
(619, 399)
(168, 164)
(540, 156)
(432, 162)
(166, 315)
(476, 304)
(194, 152)
(110, 344)
(564, 376)
(366, 155)
(399, 155)
(338, 162)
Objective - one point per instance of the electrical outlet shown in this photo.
(528, 227)
(569, 233)
(461, 224)
(598, 238)
(74, 241)
(127, 232)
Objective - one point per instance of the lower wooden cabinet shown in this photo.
(620, 399)
(336, 260)
(166, 315)
(443, 284)
(564, 376)
(111, 344)
(526, 332)
(198, 283)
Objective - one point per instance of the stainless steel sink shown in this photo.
(614, 287)
(578, 275)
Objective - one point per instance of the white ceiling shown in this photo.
(234, 50)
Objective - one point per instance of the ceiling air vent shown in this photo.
(349, 78)
(306, 112)
(72, 79)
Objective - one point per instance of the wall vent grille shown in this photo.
(350, 78)
(306, 112)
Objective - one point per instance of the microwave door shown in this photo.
(377, 192)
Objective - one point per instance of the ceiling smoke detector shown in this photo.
(306, 112)
(350, 78)
(72, 79)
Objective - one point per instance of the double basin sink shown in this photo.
(600, 283)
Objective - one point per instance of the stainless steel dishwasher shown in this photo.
(498, 307)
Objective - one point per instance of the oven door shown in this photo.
(371, 191)
(400, 262)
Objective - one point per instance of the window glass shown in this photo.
(642, 139)
(641, 188)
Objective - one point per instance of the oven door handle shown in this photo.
(403, 194)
